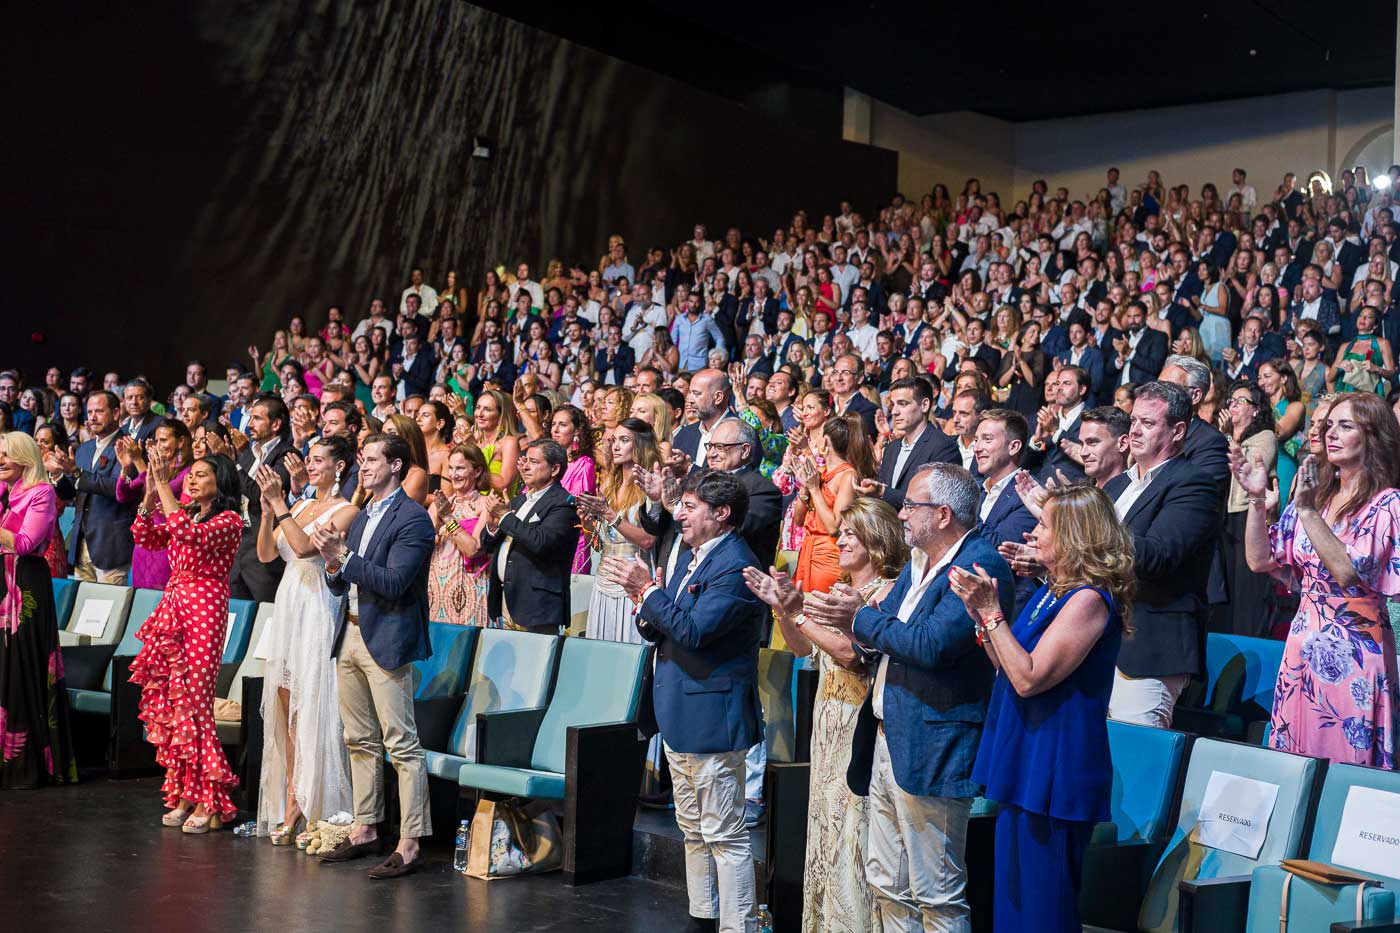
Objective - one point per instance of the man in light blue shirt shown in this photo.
(618, 266)
(696, 334)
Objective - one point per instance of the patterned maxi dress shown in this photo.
(182, 647)
(1336, 695)
(457, 585)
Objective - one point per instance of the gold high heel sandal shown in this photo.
(198, 826)
(285, 834)
(177, 816)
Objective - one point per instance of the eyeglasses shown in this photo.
(843, 372)
(723, 446)
(915, 504)
(1242, 400)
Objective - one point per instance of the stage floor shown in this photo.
(95, 856)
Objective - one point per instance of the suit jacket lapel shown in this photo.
(1154, 490)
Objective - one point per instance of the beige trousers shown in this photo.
(91, 573)
(376, 708)
(719, 872)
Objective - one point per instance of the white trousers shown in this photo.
(1145, 701)
(915, 861)
(719, 872)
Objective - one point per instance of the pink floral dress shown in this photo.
(182, 648)
(1336, 695)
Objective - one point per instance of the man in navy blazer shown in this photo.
(381, 568)
(708, 398)
(615, 359)
(1057, 427)
(706, 626)
(1137, 356)
(1002, 516)
(1088, 358)
(917, 734)
(100, 544)
(918, 442)
(847, 374)
(532, 541)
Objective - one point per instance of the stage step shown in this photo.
(658, 850)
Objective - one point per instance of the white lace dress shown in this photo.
(297, 644)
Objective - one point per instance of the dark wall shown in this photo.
(183, 177)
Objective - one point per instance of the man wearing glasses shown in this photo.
(918, 732)
(846, 376)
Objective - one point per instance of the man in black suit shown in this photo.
(973, 348)
(414, 372)
(1057, 426)
(1205, 447)
(1172, 509)
(140, 422)
(1139, 353)
(761, 306)
(847, 374)
(615, 360)
(708, 398)
(532, 542)
(1102, 333)
(917, 442)
(1002, 516)
(1242, 360)
(1103, 447)
(269, 430)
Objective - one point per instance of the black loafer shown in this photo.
(348, 851)
(395, 867)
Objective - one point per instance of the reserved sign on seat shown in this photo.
(1235, 812)
(1369, 837)
(92, 619)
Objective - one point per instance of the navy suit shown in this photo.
(766, 312)
(392, 577)
(1054, 460)
(705, 686)
(860, 405)
(1010, 520)
(937, 684)
(536, 587)
(933, 446)
(99, 519)
(144, 431)
(418, 378)
(1329, 318)
(1055, 341)
(1147, 359)
(622, 364)
(1175, 524)
(1091, 360)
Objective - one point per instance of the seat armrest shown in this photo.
(1214, 905)
(84, 666)
(1349, 926)
(602, 778)
(434, 719)
(508, 737)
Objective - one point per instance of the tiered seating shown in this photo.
(1314, 906)
(1194, 887)
(583, 748)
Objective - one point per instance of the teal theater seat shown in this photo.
(1238, 690)
(239, 629)
(65, 591)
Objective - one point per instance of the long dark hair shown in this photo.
(1379, 467)
(229, 498)
(846, 435)
(1263, 419)
(583, 431)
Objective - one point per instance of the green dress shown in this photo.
(1288, 448)
(271, 382)
(1372, 353)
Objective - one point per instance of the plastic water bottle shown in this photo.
(765, 919)
(459, 857)
(246, 830)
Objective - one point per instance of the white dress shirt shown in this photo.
(994, 491)
(522, 513)
(921, 577)
(1137, 485)
(374, 514)
(427, 300)
(906, 447)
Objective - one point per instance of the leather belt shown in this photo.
(352, 617)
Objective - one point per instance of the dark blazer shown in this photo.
(392, 576)
(250, 577)
(99, 519)
(624, 360)
(1009, 520)
(1055, 341)
(542, 548)
(687, 441)
(1054, 459)
(1092, 362)
(1209, 452)
(766, 312)
(418, 378)
(1250, 371)
(726, 317)
(933, 446)
(937, 684)
(1174, 524)
(987, 353)
(1329, 318)
(1147, 360)
(778, 356)
(764, 520)
(145, 430)
(860, 405)
(705, 685)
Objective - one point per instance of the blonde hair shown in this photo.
(22, 449)
(508, 423)
(1092, 548)
(875, 523)
(659, 416)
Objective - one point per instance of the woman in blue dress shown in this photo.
(1044, 754)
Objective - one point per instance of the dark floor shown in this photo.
(95, 856)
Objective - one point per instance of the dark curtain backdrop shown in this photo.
(184, 177)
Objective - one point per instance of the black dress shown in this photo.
(1025, 397)
(35, 744)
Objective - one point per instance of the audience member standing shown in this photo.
(460, 579)
(33, 695)
(1044, 755)
(269, 431)
(1172, 510)
(1002, 516)
(570, 429)
(706, 626)
(825, 494)
(919, 442)
(304, 773)
(99, 547)
(382, 570)
(615, 517)
(151, 569)
(918, 731)
(1336, 695)
(1249, 422)
(182, 643)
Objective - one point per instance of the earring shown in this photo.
(335, 487)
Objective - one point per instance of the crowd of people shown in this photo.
(999, 469)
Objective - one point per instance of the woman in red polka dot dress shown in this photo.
(182, 641)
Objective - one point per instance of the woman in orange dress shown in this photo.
(825, 495)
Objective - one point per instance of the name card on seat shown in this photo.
(1234, 814)
(264, 646)
(1369, 837)
(92, 620)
